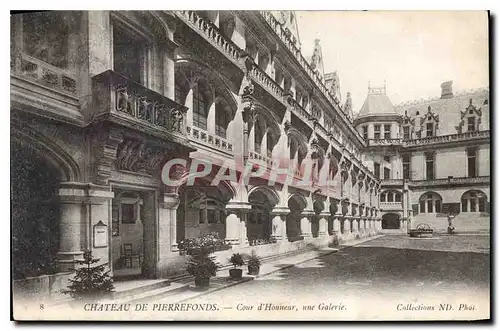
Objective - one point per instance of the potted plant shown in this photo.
(237, 261)
(201, 263)
(254, 263)
(202, 267)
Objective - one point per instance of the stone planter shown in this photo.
(202, 283)
(421, 233)
(253, 270)
(235, 273)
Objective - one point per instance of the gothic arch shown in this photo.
(189, 72)
(270, 194)
(48, 150)
(299, 199)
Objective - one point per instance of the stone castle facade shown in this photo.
(101, 100)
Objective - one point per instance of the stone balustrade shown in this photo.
(43, 73)
(211, 33)
(391, 206)
(384, 142)
(451, 181)
(132, 104)
(208, 139)
(392, 182)
(447, 139)
(262, 159)
(267, 82)
(286, 38)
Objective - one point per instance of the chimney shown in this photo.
(447, 90)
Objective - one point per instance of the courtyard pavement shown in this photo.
(391, 277)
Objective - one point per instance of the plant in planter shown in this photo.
(237, 261)
(254, 263)
(202, 267)
(201, 264)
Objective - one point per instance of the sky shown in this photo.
(413, 52)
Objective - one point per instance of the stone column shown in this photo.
(75, 218)
(236, 223)
(168, 69)
(336, 224)
(305, 224)
(347, 227)
(168, 220)
(323, 225)
(279, 223)
(232, 228)
(70, 229)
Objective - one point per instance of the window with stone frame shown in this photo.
(430, 165)
(201, 106)
(376, 131)
(406, 160)
(387, 131)
(365, 132)
(474, 201)
(406, 132)
(472, 162)
(387, 173)
(430, 203)
(130, 53)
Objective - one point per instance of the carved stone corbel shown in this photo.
(104, 151)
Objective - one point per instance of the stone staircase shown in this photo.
(146, 290)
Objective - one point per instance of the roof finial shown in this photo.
(385, 86)
(369, 85)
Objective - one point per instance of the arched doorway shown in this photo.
(391, 221)
(35, 212)
(259, 220)
(202, 209)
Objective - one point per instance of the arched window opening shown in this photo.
(398, 197)
(474, 201)
(430, 203)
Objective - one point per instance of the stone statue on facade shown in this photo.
(335, 86)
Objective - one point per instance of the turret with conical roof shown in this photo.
(378, 119)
